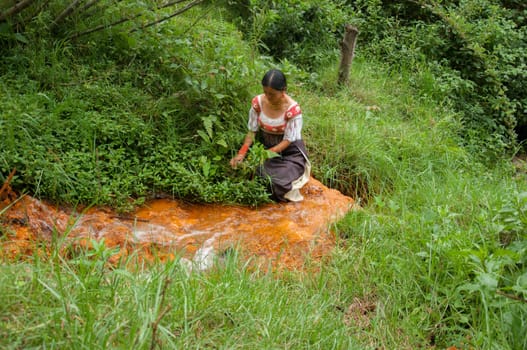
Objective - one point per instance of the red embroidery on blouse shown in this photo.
(292, 112)
(256, 104)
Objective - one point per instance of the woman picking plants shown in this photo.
(275, 120)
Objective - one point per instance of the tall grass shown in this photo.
(430, 211)
(81, 303)
(380, 130)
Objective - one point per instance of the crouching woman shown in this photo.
(275, 119)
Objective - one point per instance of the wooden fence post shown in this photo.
(347, 49)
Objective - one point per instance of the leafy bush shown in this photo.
(129, 115)
(479, 42)
(304, 32)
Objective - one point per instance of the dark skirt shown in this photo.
(281, 171)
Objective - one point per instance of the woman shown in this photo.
(277, 120)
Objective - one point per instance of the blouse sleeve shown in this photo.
(252, 125)
(293, 129)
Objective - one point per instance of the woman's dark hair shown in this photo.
(275, 79)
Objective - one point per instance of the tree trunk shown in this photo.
(347, 49)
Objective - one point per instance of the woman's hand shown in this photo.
(237, 160)
(243, 150)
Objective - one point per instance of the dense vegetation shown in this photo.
(114, 102)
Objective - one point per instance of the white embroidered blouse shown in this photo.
(289, 124)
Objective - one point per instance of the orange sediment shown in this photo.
(283, 234)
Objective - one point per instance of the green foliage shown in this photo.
(256, 157)
(499, 283)
(477, 47)
(377, 137)
(76, 19)
(163, 116)
(303, 31)
(431, 248)
(82, 302)
(427, 237)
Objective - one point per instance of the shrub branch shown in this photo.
(126, 19)
(178, 12)
(67, 11)
(511, 296)
(15, 9)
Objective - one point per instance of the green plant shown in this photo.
(88, 130)
(302, 31)
(480, 43)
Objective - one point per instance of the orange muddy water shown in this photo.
(283, 235)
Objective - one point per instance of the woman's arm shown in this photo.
(293, 132)
(247, 142)
(281, 146)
